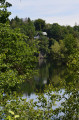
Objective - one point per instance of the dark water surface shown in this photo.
(62, 85)
(65, 83)
(47, 72)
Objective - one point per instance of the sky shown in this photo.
(63, 12)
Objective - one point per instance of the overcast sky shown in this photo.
(64, 12)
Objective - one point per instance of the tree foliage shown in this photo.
(26, 26)
(4, 14)
(17, 65)
(39, 24)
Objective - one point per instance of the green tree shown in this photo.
(69, 29)
(18, 56)
(4, 14)
(29, 29)
(55, 32)
(26, 26)
(58, 50)
(39, 25)
(70, 44)
(43, 45)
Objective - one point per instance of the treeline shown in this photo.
(60, 41)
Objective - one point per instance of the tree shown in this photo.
(43, 45)
(29, 28)
(70, 44)
(55, 32)
(18, 56)
(26, 26)
(39, 24)
(58, 50)
(4, 14)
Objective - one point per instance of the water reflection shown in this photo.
(64, 92)
(47, 72)
(65, 81)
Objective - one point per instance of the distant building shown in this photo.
(38, 35)
(44, 33)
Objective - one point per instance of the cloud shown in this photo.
(59, 10)
(63, 20)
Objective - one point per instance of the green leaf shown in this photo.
(11, 112)
(16, 116)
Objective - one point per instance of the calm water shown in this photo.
(64, 94)
(65, 83)
(47, 73)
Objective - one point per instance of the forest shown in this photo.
(22, 43)
(59, 43)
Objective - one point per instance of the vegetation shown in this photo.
(18, 64)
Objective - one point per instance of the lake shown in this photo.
(54, 90)
(65, 84)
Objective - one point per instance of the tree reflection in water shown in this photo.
(58, 79)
